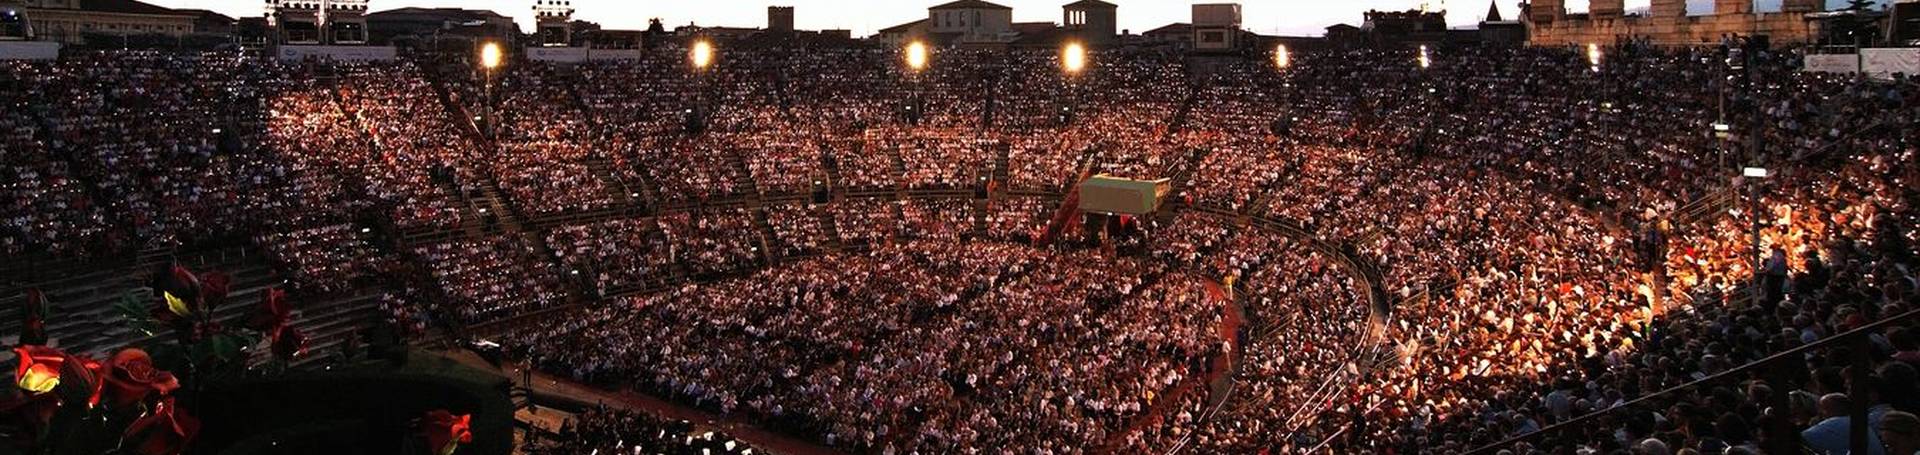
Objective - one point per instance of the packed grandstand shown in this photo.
(1365, 251)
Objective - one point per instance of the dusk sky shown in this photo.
(1283, 17)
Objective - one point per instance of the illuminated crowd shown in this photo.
(844, 248)
(880, 350)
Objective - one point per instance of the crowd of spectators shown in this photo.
(324, 259)
(612, 431)
(883, 349)
(615, 254)
(1557, 236)
(489, 279)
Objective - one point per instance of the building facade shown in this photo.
(1216, 27)
(972, 21)
(780, 19)
(553, 22)
(70, 21)
(1093, 21)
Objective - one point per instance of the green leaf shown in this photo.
(134, 312)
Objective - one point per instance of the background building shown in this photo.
(780, 19)
(1216, 27)
(72, 21)
(1092, 21)
(436, 23)
(971, 21)
(1667, 23)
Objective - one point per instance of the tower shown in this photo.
(1607, 9)
(554, 21)
(1092, 20)
(1493, 12)
(297, 21)
(346, 21)
(1547, 11)
(1669, 9)
(780, 19)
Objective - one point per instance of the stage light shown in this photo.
(490, 55)
(1593, 56)
(702, 54)
(1282, 58)
(1073, 58)
(1425, 61)
(917, 56)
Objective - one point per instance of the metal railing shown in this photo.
(1858, 413)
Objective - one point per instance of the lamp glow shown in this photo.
(1281, 57)
(490, 55)
(1074, 58)
(702, 54)
(1425, 61)
(1755, 172)
(917, 56)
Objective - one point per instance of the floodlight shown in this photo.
(917, 56)
(1074, 58)
(490, 55)
(702, 54)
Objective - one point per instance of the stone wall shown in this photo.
(1780, 28)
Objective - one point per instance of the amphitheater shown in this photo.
(826, 250)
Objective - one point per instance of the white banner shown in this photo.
(614, 54)
(290, 52)
(579, 54)
(557, 54)
(1832, 63)
(1884, 63)
(29, 50)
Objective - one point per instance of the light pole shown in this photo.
(701, 56)
(1754, 176)
(489, 60)
(917, 57)
(1073, 60)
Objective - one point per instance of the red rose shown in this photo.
(446, 431)
(39, 368)
(165, 431)
(272, 314)
(42, 369)
(213, 289)
(178, 282)
(131, 378)
(84, 382)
